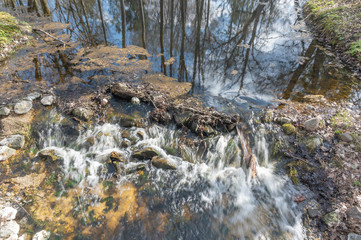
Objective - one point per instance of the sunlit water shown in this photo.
(211, 197)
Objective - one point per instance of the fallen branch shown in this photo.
(51, 36)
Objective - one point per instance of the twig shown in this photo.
(49, 35)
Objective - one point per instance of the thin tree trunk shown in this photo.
(182, 66)
(13, 4)
(141, 5)
(124, 23)
(37, 8)
(162, 36)
(103, 23)
(45, 6)
(199, 6)
(171, 34)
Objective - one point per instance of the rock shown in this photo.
(312, 124)
(83, 113)
(289, 128)
(42, 235)
(49, 154)
(47, 100)
(104, 102)
(23, 107)
(135, 101)
(140, 135)
(90, 141)
(8, 229)
(134, 168)
(32, 96)
(14, 141)
(145, 153)
(116, 156)
(331, 219)
(346, 137)
(163, 163)
(4, 111)
(313, 213)
(283, 120)
(353, 236)
(127, 121)
(126, 134)
(354, 212)
(209, 131)
(6, 153)
(17, 124)
(182, 118)
(268, 116)
(125, 144)
(313, 142)
(8, 213)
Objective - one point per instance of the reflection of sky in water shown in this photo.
(269, 68)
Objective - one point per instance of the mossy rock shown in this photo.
(289, 129)
(293, 174)
(160, 162)
(145, 153)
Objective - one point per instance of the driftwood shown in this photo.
(204, 122)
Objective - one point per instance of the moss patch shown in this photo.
(338, 22)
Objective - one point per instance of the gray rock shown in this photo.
(83, 113)
(6, 152)
(9, 228)
(32, 96)
(313, 142)
(331, 219)
(14, 141)
(354, 236)
(346, 137)
(23, 107)
(313, 213)
(42, 235)
(163, 163)
(47, 100)
(127, 121)
(8, 213)
(4, 111)
(312, 124)
(135, 101)
(283, 120)
(145, 153)
(354, 212)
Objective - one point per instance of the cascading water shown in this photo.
(211, 194)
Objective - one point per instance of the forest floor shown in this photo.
(338, 25)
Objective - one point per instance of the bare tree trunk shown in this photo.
(199, 14)
(45, 6)
(103, 23)
(37, 8)
(163, 67)
(124, 23)
(141, 5)
(13, 4)
(171, 34)
(182, 66)
(38, 76)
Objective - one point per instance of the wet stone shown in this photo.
(125, 144)
(83, 113)
(135, 101)
(289, 128)
(15, 141)
(4, 111)
(145, 153)
(268, 116)
(313, 142)
(126, 134)
(134, 168)
(47, 100)
(283, 120)
(32, 96)
(116, 156)
(127, 121)
(312, 124)
(163, 163)
(346, 137)
(313, 213)
(6, 153)
(23, 107)
(49, 154)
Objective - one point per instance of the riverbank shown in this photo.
(13, 34)
(338, 25)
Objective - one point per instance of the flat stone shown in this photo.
(49, 154)
(4, 111)
(346, 137)
(160, 162)
(32, 96)
(17, 124)
(23, 107)
(127, 121)
(8, 229)
(83, 113)
(283, 120)
(47, 100)
(313, 213)
(354, 236)
(331, 219)
(14, 141)
(354, 212)
(42, 235)
(8, 213)
(6, 153)
(312, 124)
(145, 153)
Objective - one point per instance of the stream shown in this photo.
(238, 56)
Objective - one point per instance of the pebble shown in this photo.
(346, 137)
(4, 111)
(47, 100)
(135, 100)
(42, 235)
(6, 152)
(312, 124)
(23, 107)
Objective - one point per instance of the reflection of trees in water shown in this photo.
(208, 39)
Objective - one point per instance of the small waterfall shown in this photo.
(213, 183)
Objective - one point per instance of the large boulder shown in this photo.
(16, 141)
(145, 153)
(6, 153)
(163, 163)
(23, 107)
